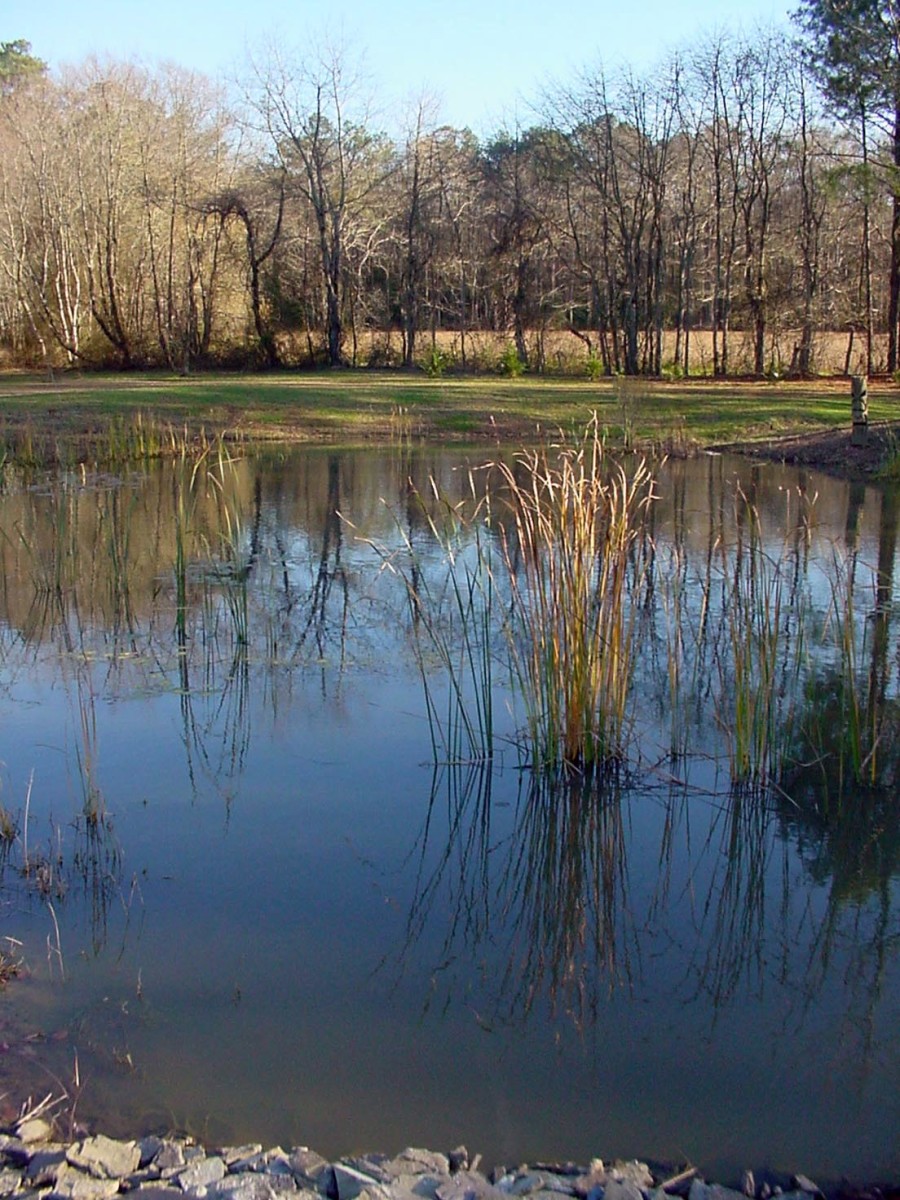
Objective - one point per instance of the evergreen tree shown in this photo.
(855, 51)
(17, 64)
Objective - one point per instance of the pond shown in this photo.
(269, 881)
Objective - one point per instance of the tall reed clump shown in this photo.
(575, 546)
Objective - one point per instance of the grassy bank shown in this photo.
(68, 410)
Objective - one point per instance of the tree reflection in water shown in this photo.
(244, 597)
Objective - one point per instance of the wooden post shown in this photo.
(859, 403)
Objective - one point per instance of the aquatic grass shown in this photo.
(573, 537)
(675, 605)
(9, 830)
(115, 518)
(11, 961)
(454, 622)
(548, 558)
(119, 439)
(850, 721)
(225, 546)
(764, 645)
(54, 549)
(857, 719)
(86, 748)
(889, 471)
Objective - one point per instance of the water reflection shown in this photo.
(219, 689)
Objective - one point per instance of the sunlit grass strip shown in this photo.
(573, 543)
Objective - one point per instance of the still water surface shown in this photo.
(290, 923)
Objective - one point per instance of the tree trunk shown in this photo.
(894, 297)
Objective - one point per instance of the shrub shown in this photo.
(595, 367)
(510, 363)
(437, 362)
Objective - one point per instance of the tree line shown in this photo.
(732, 211)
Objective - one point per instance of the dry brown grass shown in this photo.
(565, 352)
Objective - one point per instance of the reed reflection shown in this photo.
(548, 893)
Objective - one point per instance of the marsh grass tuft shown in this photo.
(547, 566)
(573, 528)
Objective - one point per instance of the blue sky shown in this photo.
(484, 59)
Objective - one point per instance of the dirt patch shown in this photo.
(830, 450)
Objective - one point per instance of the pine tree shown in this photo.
(855, 51)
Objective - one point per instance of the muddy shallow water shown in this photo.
(259, 900)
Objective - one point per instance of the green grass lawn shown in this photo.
(362, 406)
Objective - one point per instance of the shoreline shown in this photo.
(37, 1163)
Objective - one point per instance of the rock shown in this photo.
(622, 1189)
(712, 1191)
(368, 1164)
(155, 1191)
(632, 1171)
(272, 1162)
(458, 1159)
(551, 1193)
(591, 1184)
(252, 1185)
(306, 1165)
(349, 1183)
(748, 1183)
(105, 1158)
(411, 1174)
(170, 1156)
(34, 1129)
(468, 1185)
(149, 1147)
(200, 1173)
(11, 1180)
(526, 1183)
(149, 1174)
(276, 1162)
(235, 1157)
(412, 1161)
(44, 1166)
(73, 1184)
(804, 1184)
